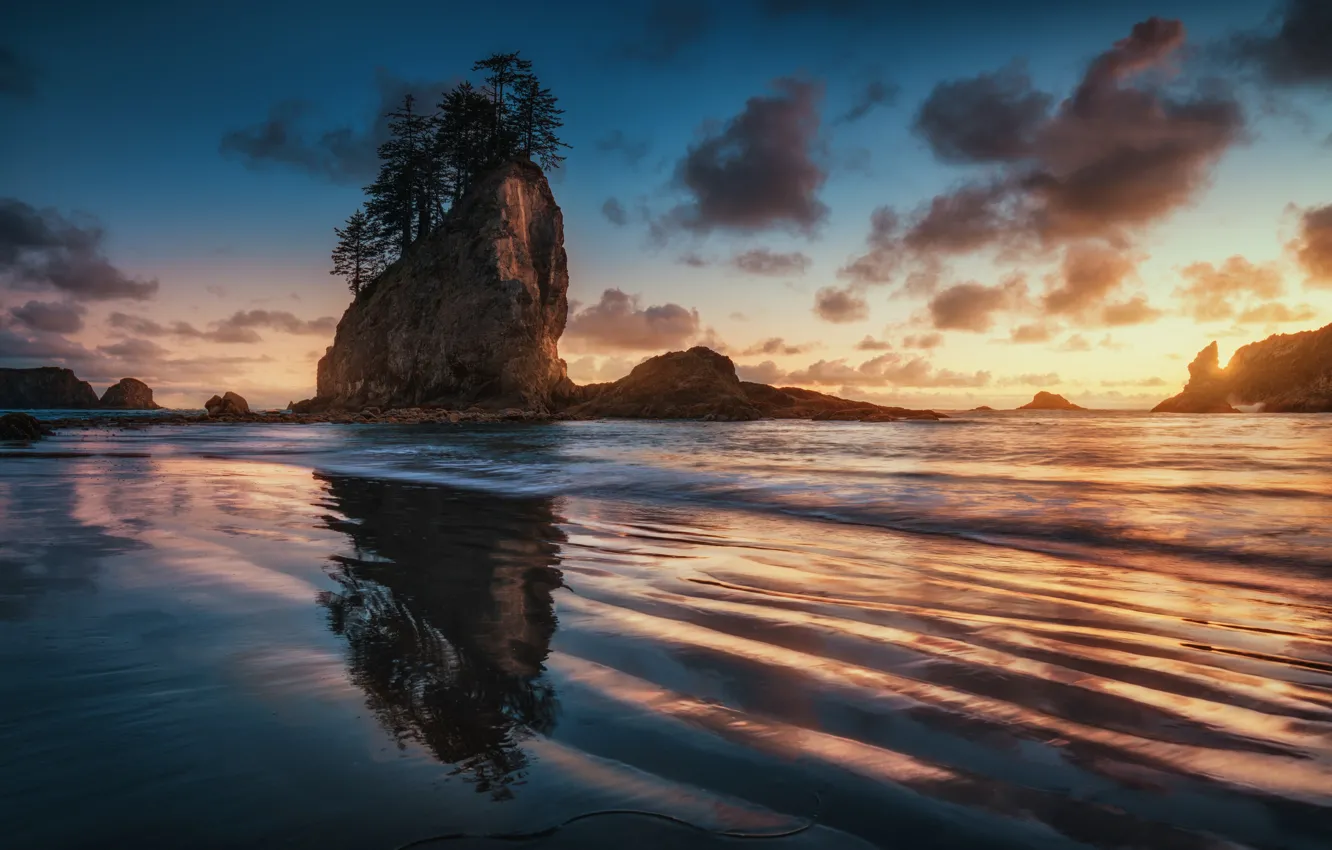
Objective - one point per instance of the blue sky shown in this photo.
(125, 106)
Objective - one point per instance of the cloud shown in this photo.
(1122, 151)
(923, 341)
(614, 213)
(617, 322)
(42, 248)
(880, 263)
(1210, 292)
(1031, 333)
(60, 317)
(1077, 342)
(596, 370)
(992, 117)
(1313, 246)
(762, 261)
(971, 306)
(766, 372)
(41, 348)
(236, 328)
(876, 93)
(669, 28)
(885, 370)
(1297, 52)
(134, 350)
(869, 343)
(341, 154)
(775, 345)
(1135, 311)
(759, 171)
(616, 142)
(1276, 313)
(18, 78)
(1089, 276)
(1137, 382)
(1047, 379)
(840, 306)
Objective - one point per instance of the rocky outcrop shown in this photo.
(129, 394)
(45, 388)
(472, 315)
(702, 384)
(20, 426)
(1207, 390)
(1285, 373)
(228, 404)
(1050, 401)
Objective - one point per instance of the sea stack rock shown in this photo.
(44, 388)
(1050, 401)
(1285, 373)
(472, 315)
(228, 404)
(1207, 390)
(129, 394)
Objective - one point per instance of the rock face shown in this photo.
(48, 387)
(702, 384)
(129, 394)
(229, 404)
(1050, 401)
(1285, 373)
(1206, 391)
(472, 315)
(19, 426)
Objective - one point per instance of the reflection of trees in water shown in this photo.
(448, 617)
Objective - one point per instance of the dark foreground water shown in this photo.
(1006, 631)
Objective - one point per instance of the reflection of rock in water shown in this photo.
(448, 617)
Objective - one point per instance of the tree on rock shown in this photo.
(401, 194)
(359, 255)
(537, 118)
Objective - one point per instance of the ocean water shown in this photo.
(1004, 630)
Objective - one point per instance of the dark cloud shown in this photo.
(134, 350)
(1297, 51)
(42, 248)
(616, 142)
(670, 27)
(876, 93)
(18, 78)
(614, 212)
(1276, 313)
(618, 323)
(1123, 151)
(923, 341)
(840, 306)
(971, 306)
(762, 261)
(41, 348)
(1091, 274)
(880, 263)
(989, 118)
(775, 345)
(236, 328)
(61, 317)
(759, 171)
(344, 154)
(1210, 292)
(1313, 246)
(869, 343)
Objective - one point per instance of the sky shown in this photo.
(934, 205)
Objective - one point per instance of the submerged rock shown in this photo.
(46, 387)
(472, 315)
(129, 394)
(1050, 401)
(702, 384)
(1285, 373)
(20, 426)
(228, 404)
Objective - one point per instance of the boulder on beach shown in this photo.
(20, 426)
(129, 394)
(1050, 401)
(228, 404)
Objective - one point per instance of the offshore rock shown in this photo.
(1285, 373)
(702, 384)
(44, 388)
(20, 426)
(1049, 401)
(129, 394)
(228, 404)
(472, 315)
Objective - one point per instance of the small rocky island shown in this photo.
(1050, 401)
(1285, 373)
(54, 388)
